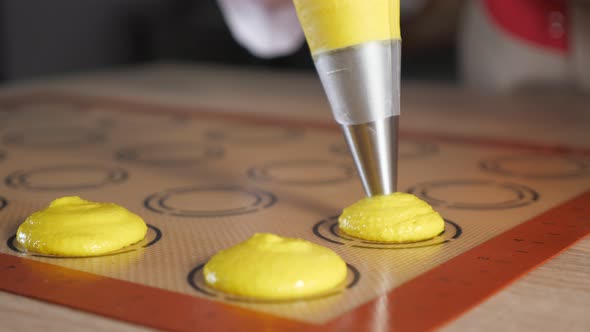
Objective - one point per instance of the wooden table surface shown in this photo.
(555, 296)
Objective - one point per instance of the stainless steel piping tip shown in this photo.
(362, 83)
(373, 146)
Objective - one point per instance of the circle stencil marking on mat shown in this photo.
(170, 154)
(119, 119)
(3, 203)
(328, 230)
(55, 137)
(44, 112)
(209, 201)
(538, 166)
(406, 149)
(416, 150)
(253, 134)
(303, 172)
(475, 194)
(45, 109)
(340, 149)
(66, 177)
(197, 281)
(152, 236)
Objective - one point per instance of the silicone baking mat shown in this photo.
(206, 180)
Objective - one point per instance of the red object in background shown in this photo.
(543, 23)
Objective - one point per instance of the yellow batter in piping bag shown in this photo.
(333, 24)
(356, 48)
(73, 227)
(270, 267)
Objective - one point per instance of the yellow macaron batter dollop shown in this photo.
(270, 267)
(398, 218)
(74, 227)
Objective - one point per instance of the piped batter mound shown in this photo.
(74, 227)
(395, 218)
(270, 267)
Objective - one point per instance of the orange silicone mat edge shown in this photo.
(477, 274)
(128, 301)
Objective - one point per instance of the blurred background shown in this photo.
(496, 45)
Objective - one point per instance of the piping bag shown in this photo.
(356, 48)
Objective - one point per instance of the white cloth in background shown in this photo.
(266, 28)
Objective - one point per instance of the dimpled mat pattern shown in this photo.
(205, 181)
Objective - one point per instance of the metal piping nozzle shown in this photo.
(374, 149)
(362, 83)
